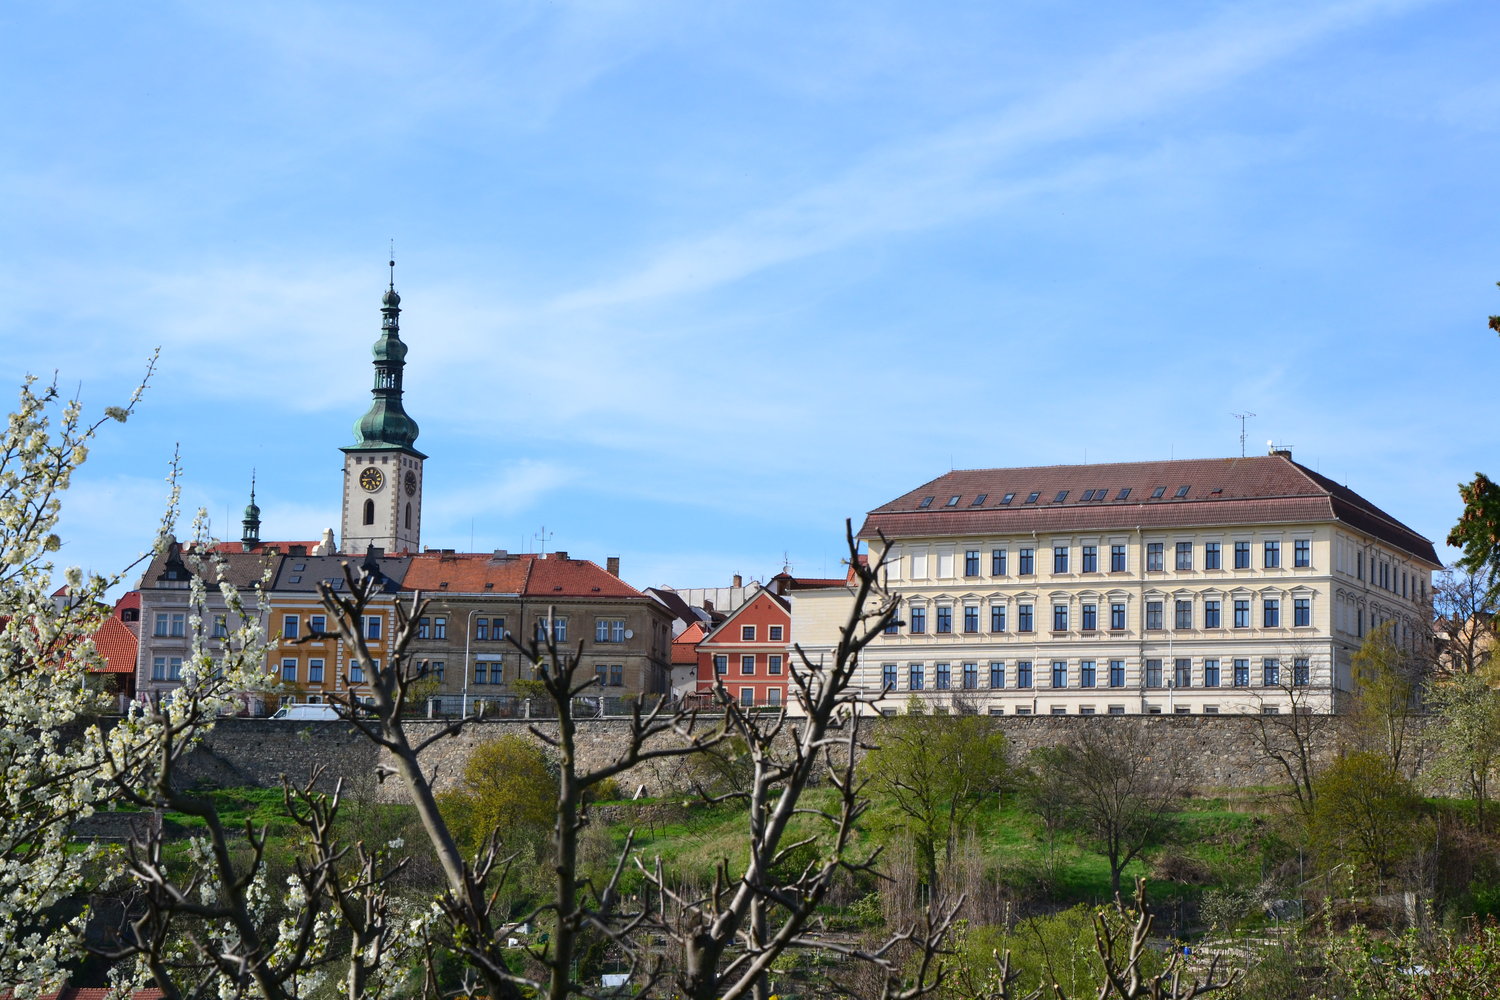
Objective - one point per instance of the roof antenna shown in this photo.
(1242, 417)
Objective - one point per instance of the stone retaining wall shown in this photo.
(1212, 751)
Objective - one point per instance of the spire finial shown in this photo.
(252, 484)
(393, 265)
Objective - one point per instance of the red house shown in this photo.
(748, 651)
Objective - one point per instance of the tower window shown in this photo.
(408, 515)
(369, 511)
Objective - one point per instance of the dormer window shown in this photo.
(1061, 496)
(1031, 498)
(1182, 491)
(953, 500)
(1157, 493)
(926, 502)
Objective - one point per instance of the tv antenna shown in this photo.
(1242, 417)
(542, 537)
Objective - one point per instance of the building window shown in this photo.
(944, 619)
(1153, 673)
(942, 678)
(747, 633)
(747, 664)
(1184, 555)
(918, 621)
(888, 676)
(1211, 558)
(1153, 614)
(1059, 674)
(1059, 559)
(1211, 614)
(1023, 673)
(558, 626)
(616, 675)
(1183, 614)
(497, 629)
(971, 562)
(1090, 614)
(1086, 673)
(721, 663)
(315, 671)
(609, 630)
(914, 677)
(290, 626)
(971, 618)
(433, 668)
(357, 671)
(220, 626)
(997, 674)
(774, 633)
(482, 672)
(317, 624)
(1116, 673)
(440, 628)
(1182, 672)
(971, 676)
(1117, 558)
(1242, 614)
(372, 626)
(1210, 673)
(1241, 673)
(1270, 672)
(160, 628)
(1241, 555)
(1024, 618)
(481, 628)
(747, 697)
(1270, 613)
(1154, 560)
(179, 623)
(424, 628)
(1090, 559)
(601, 674)
(1302, 552)
(1301, 671)
(773, 663)
(1273, 555)
(1059, 617)
(1117, 616)
(894, 628)
(773, 697)
(1116, 710)
(997, 562)
(1028, 560)
(997, 618)
(1301, 612)
(1359, 565)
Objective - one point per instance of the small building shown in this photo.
(748, 652)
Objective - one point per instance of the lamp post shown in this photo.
(463, 712)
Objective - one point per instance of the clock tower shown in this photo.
(383, 471)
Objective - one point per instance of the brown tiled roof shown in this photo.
(1268, 489)
(528, 574)
(266, 548)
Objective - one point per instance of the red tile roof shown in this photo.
(117, 645)
(528, 574)
(1220, 491)
(264, 548)
(685, 645)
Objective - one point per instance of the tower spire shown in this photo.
(387, 424)
(250, 536)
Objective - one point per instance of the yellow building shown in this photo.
(1203, 586)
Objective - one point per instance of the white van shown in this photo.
(308, 713)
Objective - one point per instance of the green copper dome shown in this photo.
(387, 424)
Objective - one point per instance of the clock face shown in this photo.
(411, 483)
(371, 479)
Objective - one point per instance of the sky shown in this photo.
(691, 283)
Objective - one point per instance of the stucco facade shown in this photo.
(1195, 587)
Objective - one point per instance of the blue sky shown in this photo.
(690, 283)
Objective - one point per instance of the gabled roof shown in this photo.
(781, 602)
(304, 573)
(1263, 489)
(117, 647)
(172, 567)
(685, 645)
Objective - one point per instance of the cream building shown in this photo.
(1203, 586)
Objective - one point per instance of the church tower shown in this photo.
(382, 471)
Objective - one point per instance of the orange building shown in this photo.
(748, 652)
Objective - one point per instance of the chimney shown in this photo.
(738, 581)
(707, 604)
(560, 555)
(612, 566)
